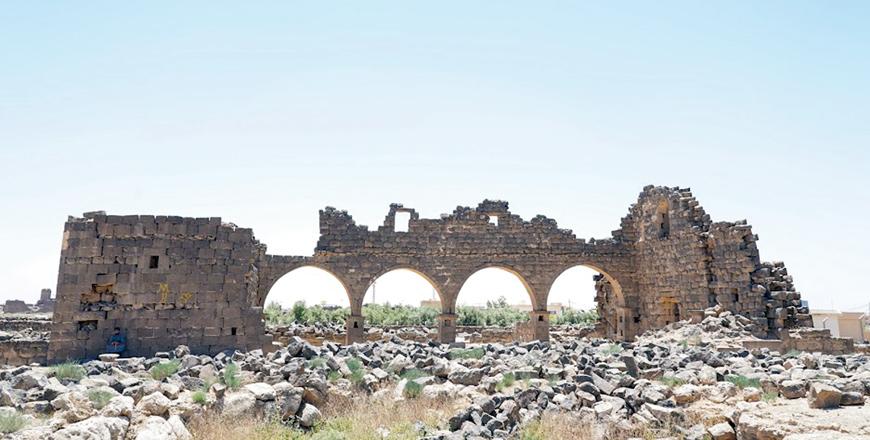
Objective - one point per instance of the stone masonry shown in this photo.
(203, 283)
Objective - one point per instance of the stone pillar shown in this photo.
(355, 329)
(540, 322)
(447, 328)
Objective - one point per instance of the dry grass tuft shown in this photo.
(559, 425)
(346, 418)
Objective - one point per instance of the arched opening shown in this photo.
(307, 297)
(401, 297)
(588, 296)
(572, 301)
(494, 296)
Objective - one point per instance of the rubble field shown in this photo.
(685, 381)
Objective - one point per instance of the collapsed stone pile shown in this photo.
(318, 333)
(685, 380)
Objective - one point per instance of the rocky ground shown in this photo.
(687, 381)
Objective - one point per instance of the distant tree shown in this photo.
(299, 312)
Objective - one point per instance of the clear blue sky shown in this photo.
(265, 113)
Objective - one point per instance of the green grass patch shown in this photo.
(610, 349)
(412, 390)
(792, 353)
(356, 377)
(333, 376)
(99, 398)
(353, 364)
(164, 369)
(507, 380)
(466, 353)
(534, 431)
(672, 381)
(769, 397)
(199, 397)
(69, 370)
(230, 376)
(12, 422)
(317, 362)
(414, 373)
(743, 381)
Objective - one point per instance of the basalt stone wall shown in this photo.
(163, 280)
(23, 351)
(201, 282)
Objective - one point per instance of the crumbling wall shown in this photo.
(200, 282)
(23, 351)
(162, 280)
(686, 263)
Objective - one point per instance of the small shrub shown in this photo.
(164, 369)
(610, 349)
(68, 370)
(508, 380)
(230, 376)
(356, 377)
(743, 381)
(353, 364)
(199, 397)
(12, 422)
(414, 373)
(466, 353)
(412, 390)
(672, 381)
(769, 397)
(684, 344)
(100, 398)
(317, 362)
(792, 353)
(333, 376)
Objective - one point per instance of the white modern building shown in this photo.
(841, 324)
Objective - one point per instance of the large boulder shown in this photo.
(154, 428)
(792, 389)
(261, 391)
(309, 415)
(686, 393)
(288, 399)
(240, 404)
(154, 404)
(178, 428)
(29, 380)
(119, 406)
(722, 431)
(466, 376)
(73, 406)
(824, 396)
(94, 428)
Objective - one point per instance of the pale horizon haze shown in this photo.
(264, 113)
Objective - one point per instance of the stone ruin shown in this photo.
(203, 283)
(44, 305)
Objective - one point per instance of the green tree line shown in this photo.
(496, 313)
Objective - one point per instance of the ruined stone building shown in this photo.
(201, 282)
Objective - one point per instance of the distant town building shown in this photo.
(841, 324)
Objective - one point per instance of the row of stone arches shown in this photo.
(448, 303)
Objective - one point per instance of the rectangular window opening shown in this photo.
(402, 222)
(87, 326)
(153, 262)
(493, 219)
(233, 331)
